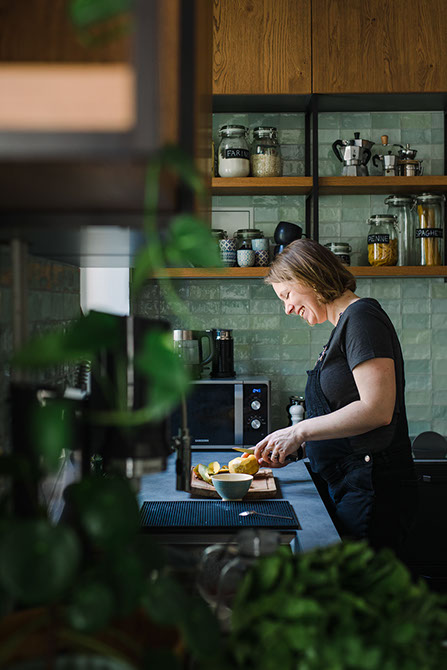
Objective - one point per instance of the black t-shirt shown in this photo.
(364, 331)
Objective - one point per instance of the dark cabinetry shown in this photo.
(427, 548)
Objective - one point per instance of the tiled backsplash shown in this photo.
(283, 348)
(53, 300)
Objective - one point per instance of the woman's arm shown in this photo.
(376, 384)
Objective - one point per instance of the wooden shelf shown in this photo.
(328, 185)
(381, 185)
(251, 273)
(261, 185)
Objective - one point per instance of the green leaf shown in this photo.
(191, 242)
(82, 339)
(148, 261)
(126, 578)
(105, 508)
(91, 606)
(168, 379)
(38, 561)
(182, 164)
(165, 601)
(51, 429)
(83, 13)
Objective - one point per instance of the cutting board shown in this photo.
(262, 486)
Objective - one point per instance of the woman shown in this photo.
(356, 433)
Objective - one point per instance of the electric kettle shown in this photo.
(188, 345)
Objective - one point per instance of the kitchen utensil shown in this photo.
(409, 168)
(407, 153)
(290, 457)
(354, 154)
(188, 345)
(286, 232)
(232, 486)
(248, 512)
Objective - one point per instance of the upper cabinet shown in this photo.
(262, 47)
(379, 46)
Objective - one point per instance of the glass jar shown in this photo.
(233, 153)
(429, 229)
(342, 250)
(382, 240)
(247, 235)
(401, 207)
(265, 153)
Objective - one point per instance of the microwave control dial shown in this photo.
(255, 424)
(255, 404)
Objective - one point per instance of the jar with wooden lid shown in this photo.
(382, 240)
(265, 153)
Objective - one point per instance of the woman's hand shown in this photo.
(274, 448)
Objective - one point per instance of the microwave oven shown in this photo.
(226, 413)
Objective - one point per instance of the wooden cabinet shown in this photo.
(262, 47)
(379, 46)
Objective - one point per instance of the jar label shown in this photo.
(379, 238)
(237, 153)
(428, 232)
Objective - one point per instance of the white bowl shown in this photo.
(232, 486)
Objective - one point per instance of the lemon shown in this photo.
(248, 465)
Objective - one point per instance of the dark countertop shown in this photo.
(293, 482)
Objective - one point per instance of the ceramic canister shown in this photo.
(245, 258)
(260, 244)
(262, 258)
(227, 248)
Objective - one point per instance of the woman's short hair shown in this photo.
(312, 264)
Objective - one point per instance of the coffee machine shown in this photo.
(354, 154)
(223, 359)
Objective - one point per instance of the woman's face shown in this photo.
(301, 300)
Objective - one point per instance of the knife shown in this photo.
(290, 458)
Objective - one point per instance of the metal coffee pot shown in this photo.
(389, 163)
(188, 345)
(407, 164)
(354, 154)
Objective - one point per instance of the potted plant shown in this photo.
(343, 607)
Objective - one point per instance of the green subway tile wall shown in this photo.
(267, 342)
(283, 348)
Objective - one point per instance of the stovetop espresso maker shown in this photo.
(354, 154)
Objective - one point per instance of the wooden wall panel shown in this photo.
(372, 46)
(262, 46)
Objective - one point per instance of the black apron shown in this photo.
(374, 494)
